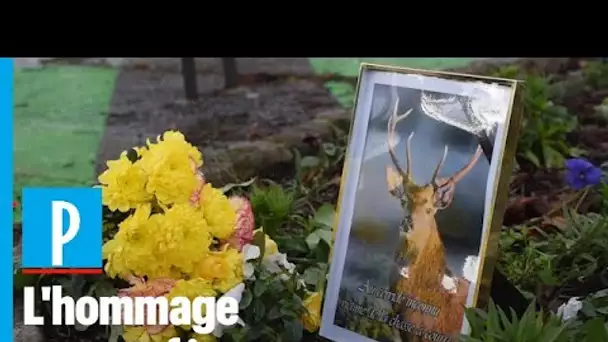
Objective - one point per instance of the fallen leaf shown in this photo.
(556, 222)
(522, 209)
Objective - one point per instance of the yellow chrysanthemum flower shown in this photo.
(219, 213)
(192, 288)
(229, 264)
(224, 268)
(213, 266)
(178, 140)
(182, 238)
(123, 185)
(171, 180)
(155, 246)
(140, 334)
(129, 251)
(311, 319)
(170, 165)
(172, 142)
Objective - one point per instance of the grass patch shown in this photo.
(60, 115)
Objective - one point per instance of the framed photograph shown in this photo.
(424, 189)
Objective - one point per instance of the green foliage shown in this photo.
(592, 321)
(496, 325)
(602, 109)
(295, 215)
(533, 326)
(233, 186)
(315, 174)
(596, 74)
(533, 260)
(545, 124)
(270, 308)
(595, 305)
(603, 189)
(272, 206)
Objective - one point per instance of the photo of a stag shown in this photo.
(425, 278)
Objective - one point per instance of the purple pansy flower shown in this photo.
(581, 173)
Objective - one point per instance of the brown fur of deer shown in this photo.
(423, 248)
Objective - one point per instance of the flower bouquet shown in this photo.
(174, 234)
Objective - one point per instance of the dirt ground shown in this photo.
(274, 95)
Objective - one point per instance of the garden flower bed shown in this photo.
(273, 236)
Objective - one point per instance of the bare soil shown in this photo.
(245, 129)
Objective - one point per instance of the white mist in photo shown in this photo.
(204, 314)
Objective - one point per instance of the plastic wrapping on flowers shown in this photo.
(183, 237)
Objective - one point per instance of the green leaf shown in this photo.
(310, 162)
(115, 332)
(231, 186)
(274, 313)
(259, 310)
(322, 252)
(531, 157)
(553, 333)
(259, 288)
(325, 235)
(595, 330)
(325, 216)
(588, 309)
(246, 300)
(330, 149)
(293, 245)
(312, 275)
(74, 285)
(288, 313)
(259, 239)
(294, 331)
(103, 288)
(547, 276)
(312, 240)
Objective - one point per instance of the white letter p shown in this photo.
(58, 238)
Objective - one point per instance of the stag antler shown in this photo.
(458, 175)
(392, 125)
(444, 187)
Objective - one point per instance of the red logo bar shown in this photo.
(81, 271)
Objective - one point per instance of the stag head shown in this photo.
(424, 199)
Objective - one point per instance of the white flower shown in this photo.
(275, 263)
(570, 309)
(236, 293)
(250, 252)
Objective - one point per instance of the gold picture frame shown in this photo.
(374, 255)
